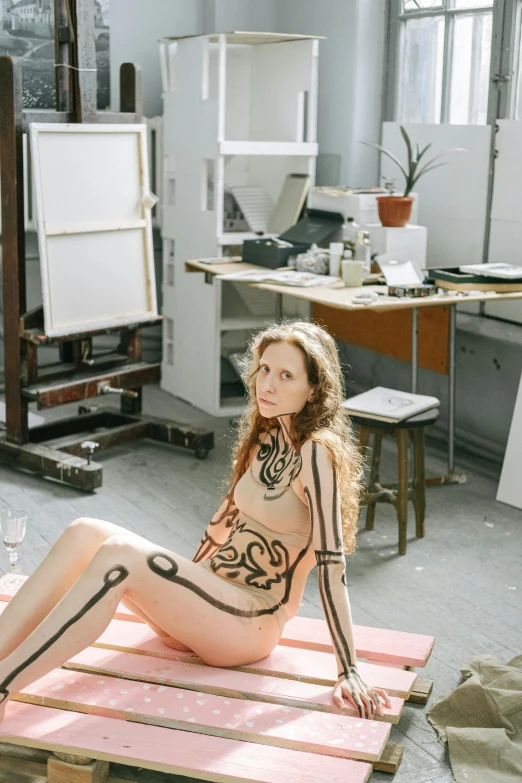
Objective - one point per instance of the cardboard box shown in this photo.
(362, 207)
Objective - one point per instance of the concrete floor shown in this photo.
(461, 584)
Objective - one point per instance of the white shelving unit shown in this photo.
(239, 109)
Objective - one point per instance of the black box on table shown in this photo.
(316, 227)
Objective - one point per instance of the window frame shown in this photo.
(505, 45)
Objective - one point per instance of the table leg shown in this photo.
(279, 308)
(452, 477)
(414, 348)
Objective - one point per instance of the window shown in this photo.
(443, 56)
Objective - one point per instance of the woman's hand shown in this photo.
(367, 701)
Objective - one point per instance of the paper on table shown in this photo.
(290, 278)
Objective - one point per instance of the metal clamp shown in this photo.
(104, 387)
(89, 446)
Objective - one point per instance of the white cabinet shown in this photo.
(240, 109)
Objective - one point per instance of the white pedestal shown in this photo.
(402, 244)
(362, 207)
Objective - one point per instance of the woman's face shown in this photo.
(282, 386)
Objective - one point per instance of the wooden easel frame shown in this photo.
(78, 376)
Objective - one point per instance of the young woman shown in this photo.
(293, 503)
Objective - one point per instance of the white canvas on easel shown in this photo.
(94, 226)
(510, 485)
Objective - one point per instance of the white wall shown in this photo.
(350, 60)
(245, 15)
(350, 77)
(136, 27)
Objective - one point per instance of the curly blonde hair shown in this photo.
(322, 420)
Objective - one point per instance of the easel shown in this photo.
(63, 449)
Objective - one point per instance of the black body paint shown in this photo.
(325, 559)
(121, 574)
(232, 563)
(276, 457)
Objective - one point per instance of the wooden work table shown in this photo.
(337, 295)
(437, 313)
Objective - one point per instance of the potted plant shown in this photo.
(395, 210)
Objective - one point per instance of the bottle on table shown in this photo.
(363, 251)
(350, 231)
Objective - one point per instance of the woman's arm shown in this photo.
(320, 486)
(218, 531)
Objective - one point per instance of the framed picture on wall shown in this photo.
(94, 226)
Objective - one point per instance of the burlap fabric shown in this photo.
(482, 721)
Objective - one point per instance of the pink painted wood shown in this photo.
(375, 644)
(169, 750)
(224, 682)
(252, 721)
(308, 665)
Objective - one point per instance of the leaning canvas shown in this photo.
(94, 226)
(510, 486)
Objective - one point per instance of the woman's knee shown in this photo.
(85, 532)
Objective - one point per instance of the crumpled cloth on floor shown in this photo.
(481, 721)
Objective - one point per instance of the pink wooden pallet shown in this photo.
(131, 699)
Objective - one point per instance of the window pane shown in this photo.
(470, 69)
(471, 3)
(417, 5)
(421, 70)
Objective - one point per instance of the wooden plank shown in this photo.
(282, 662)
(35, 334)
(305, 666)
(374, 644)
(377, 644)
(221, 682)
(59, 771)
(421, 691)
(83, 386)
(169, 750)
(177, 708)
(389, 333)
(390, 759)
(54, 464)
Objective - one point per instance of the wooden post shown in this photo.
(13, 244)
(84, 62)
(131, 101)
(59, 771)
(402, 489)
(63, 38)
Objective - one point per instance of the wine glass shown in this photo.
(12, 526)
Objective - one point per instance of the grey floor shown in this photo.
(462, 583)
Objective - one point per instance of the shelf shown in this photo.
(302, 149)
(253, 322)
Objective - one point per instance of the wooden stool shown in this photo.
(397, 494)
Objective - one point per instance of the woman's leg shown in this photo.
(66, 560)
(222, 624)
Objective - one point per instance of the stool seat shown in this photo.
(420, 420)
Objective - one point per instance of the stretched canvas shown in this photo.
(93, 215)
(510, 486)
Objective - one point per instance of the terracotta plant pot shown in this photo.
(394, 211)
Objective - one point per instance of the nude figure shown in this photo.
(292, 504)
